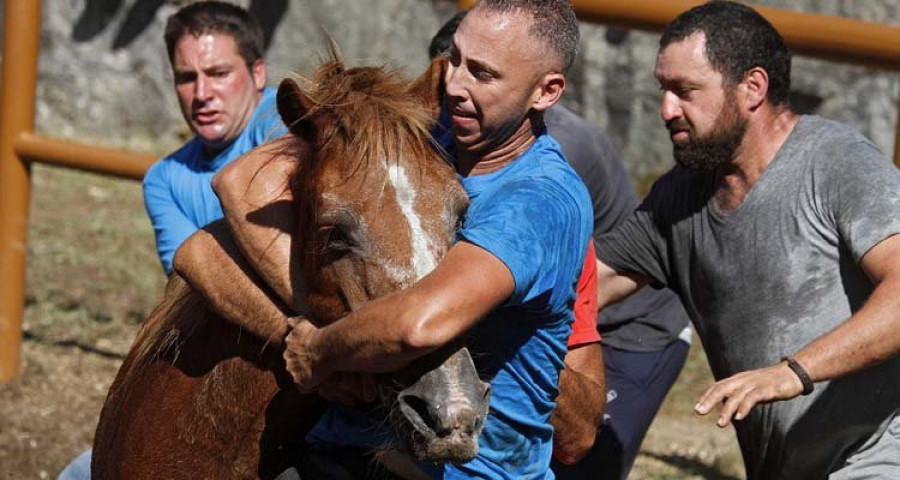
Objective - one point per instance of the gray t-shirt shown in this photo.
(652, 318)
(766, 279)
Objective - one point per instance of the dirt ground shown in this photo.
(93, 276)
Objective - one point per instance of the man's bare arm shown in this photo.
(613, 286)
(387, 333)
(580, 405)
(211, 264)
(867, 338)
(259, 207)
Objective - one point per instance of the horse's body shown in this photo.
(198, 398)
(193, 399)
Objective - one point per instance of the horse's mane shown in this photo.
(368, 112)
(160, 337)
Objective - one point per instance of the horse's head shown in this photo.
(379, 207)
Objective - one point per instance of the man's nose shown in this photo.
(670, 108)
(202, 88)
(453, 82)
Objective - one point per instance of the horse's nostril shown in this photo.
(479, 421)
(419, 407)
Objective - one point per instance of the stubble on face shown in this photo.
(707, 153)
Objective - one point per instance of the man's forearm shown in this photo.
(374, 338)
(210, 263)
(580, 405)
(867, 338)
(387, 333)
(613, 286)
(261, 212)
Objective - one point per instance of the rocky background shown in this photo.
(105, 79)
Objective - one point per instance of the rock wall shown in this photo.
(104, 76)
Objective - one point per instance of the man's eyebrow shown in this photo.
(204, 68)
(184, 71)
(670, 80)
(482, 65)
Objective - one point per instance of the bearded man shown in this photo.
(779, 233)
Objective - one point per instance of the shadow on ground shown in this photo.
(691, 465)
(105, 353)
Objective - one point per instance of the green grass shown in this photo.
(92, 269)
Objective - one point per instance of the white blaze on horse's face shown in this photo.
(424, 257)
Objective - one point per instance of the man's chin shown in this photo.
(211, 137)
(699, 159)
(464, 140)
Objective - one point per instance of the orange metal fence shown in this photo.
(839, 39)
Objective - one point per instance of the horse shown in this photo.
(196, 397)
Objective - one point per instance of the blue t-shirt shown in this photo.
(178, 193)
(535, 216)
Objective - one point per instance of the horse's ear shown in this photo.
(293, 105)
(430, 86)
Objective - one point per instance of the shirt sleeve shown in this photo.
(584, 330)
(863, 195)
(171, 226)
(634, 246)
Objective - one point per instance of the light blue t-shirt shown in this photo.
(178, 193)
(535, 216)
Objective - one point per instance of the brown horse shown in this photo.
(198, 398)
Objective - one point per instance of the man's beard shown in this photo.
(709, 152)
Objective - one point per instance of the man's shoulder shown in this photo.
(177, 160)
(831, 149)
(266, 120)
(549, 165)
(820, 134)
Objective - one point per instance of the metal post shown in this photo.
(22, 26)
(34, 148)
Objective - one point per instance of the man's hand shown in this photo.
(739, 393)
(300, 358)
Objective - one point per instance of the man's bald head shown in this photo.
(553, 24)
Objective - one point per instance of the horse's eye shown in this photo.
(337, 238)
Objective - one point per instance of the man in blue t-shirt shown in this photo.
(645, 337)
(521, 245)
(215, 49)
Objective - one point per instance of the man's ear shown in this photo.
(430, 86)
(549, 91)
(258, 72)
(755, 88)
(293, 105)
